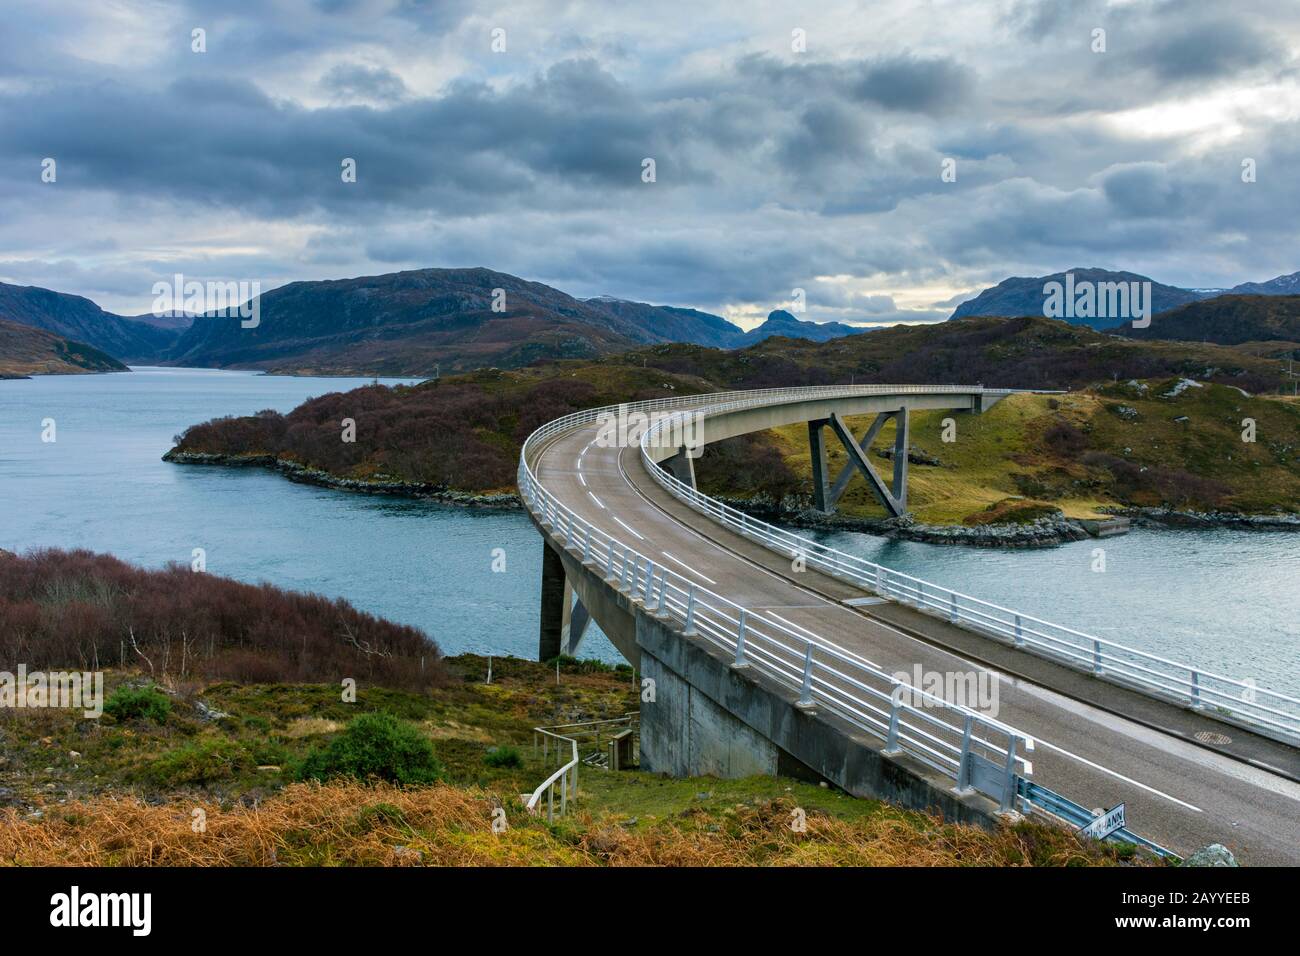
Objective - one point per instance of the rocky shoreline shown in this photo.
(296, 471)
(1171, 518)
(1044, 532)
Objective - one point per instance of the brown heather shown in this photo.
(379, 825)
(77, 609)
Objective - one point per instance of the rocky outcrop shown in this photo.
(1216, 854)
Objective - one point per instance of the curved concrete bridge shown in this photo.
(762, 651)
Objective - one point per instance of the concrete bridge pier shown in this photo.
(681, 466)
(564, 620)
(555, 600)
(826, 495)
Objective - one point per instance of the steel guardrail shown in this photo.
(1224, 698)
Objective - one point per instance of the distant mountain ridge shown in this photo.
(781, 322)
(1024, 295)
(77, 318)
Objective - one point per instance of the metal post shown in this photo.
(740, 640)
(690, 613)
(550, 804)
(805, 695)
(963, 767)
(1196, 689)
(1096, 657)
(953, 613)
(1009, 779)
(609, 560)
(1020, 634)
(891, 737)
(564, 792)
(586, 546)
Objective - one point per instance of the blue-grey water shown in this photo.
(102, 485)
(1227, 600)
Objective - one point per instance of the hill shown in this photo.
(413, 323)
(444, 438)
(782, 323)
(1228, 320)
(1022, 352)
(77, 318)
(25, 350)
(1024, 295)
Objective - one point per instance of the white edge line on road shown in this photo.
(1118, 776)
(628, 527)
(582, 478)
(597, 500)
(786, 620)
(688, 568)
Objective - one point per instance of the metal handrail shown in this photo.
(947, 737)
(566, 776)
(1222, 697)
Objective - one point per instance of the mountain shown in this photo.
(79, 319)
(672, 323)
(1228, 320)
(417, 321)
(25, 350)
(1024, 295)
(409, 322)
(1282, 285)
(781, 322)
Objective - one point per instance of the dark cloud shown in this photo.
(774, 168)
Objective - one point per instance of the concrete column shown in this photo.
(820, 471)
(554, 594)
(680, 466)
(901, 445)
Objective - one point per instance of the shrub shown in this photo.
(60, 608)
(138, 703)
(503, 758)
(375, 745)
(202, 762)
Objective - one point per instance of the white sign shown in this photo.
(1104, 825)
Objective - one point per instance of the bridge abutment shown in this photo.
(707, 717)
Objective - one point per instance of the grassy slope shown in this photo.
(25, 350)
(1005, 453)
(127, 797)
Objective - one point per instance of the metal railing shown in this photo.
(566, 777)
(1225, 698)
(976, 751)
(1037, 797)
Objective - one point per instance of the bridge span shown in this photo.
(766, 652)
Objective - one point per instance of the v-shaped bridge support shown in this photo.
(893, 496)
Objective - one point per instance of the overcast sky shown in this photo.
(775, 168)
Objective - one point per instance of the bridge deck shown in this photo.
(1178, 793)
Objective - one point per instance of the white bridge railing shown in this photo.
(977, 751)
(1225, 698)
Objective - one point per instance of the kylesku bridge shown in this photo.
(771, 653)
